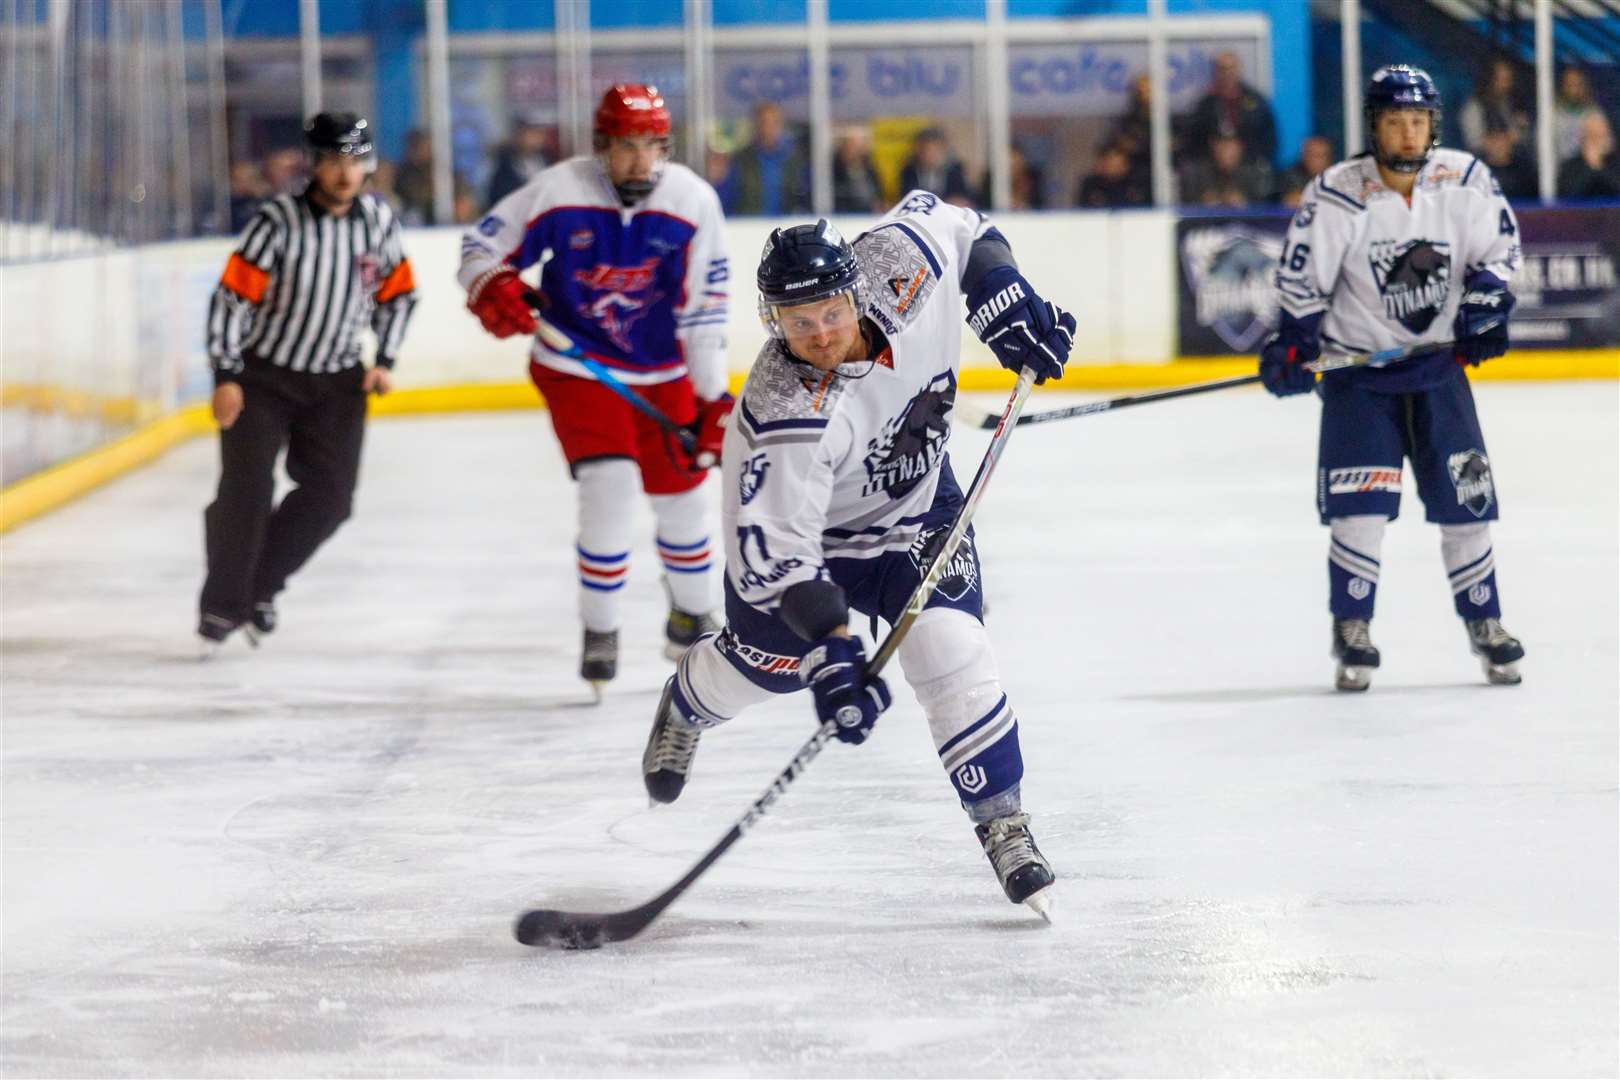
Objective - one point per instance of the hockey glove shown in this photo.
(1482, 320)
(835, 671)
(497, 297)
(709, 429)
(1021, 329)
(1296, 343)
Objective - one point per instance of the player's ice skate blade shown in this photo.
(1499, 652)
(1022, 870)
(1040, 902)
(682, 628)
(599, 659)
(671, 745)
(1357, 656)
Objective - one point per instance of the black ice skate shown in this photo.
(264, 618)
(214, 630)
(1355, 652)
(682, 628)
(599, 659)
(1024, 872)
(671, 746)
(1499, 652)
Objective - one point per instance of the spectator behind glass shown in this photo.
(1510, 164)
(772, 177)
(1026, 180)
(856, 188)
(284, 170)
(931, 167)
(1133, 131)
(413, 182)
(718, 172)
(382, 182)
(1233, 108)
(1574, 104)
(1226, 178)
(1315, 155)
(518, 159)
(248, 190)
(1493, 108)
(1113, 182)
(1594, 173)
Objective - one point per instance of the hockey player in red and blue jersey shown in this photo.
(634, 272)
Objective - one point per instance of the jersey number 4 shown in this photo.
(1504, 224)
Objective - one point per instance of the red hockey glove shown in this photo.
(496, 297)
(710, 430)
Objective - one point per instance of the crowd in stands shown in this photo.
(1221, 155)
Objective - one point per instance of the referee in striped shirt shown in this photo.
(284, 337)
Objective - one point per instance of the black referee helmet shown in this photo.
(344, 133)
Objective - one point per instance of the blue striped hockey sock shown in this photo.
(1471, 566)
(1353, 565)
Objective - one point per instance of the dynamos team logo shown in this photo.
(617, 297)
(912, 443)
(1414, 277)
(1471, 475)
(1229, 269)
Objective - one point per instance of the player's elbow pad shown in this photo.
(814, 609)
(989, 252)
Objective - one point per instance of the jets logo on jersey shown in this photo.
(912, 443)
(1471, 475)
(1414, 278)
(618, 296)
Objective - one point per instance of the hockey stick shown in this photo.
(974, 416)
(563, 345)
(582, 930)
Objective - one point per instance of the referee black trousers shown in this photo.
(252, 549)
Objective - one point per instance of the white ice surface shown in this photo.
(306, 860)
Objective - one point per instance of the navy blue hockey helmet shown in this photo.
(1400, 86)
(344, 133)
(802, 264)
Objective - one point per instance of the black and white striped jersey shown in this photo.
(302, 285)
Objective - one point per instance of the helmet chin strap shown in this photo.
(633, 191)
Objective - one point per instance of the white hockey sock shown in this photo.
(949, 664)
(683, 547)
(1471, 566)
(708, 690)
(607, 490)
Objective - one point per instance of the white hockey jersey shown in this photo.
(1388, 275)
(643, 290)
(821, 466)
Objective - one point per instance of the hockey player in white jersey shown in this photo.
(635, 274)
(837, 487)
(1406, 244)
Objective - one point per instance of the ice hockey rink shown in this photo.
(306, 860)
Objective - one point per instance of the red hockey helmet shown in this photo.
(632, 109)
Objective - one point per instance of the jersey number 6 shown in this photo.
(1296, 261)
